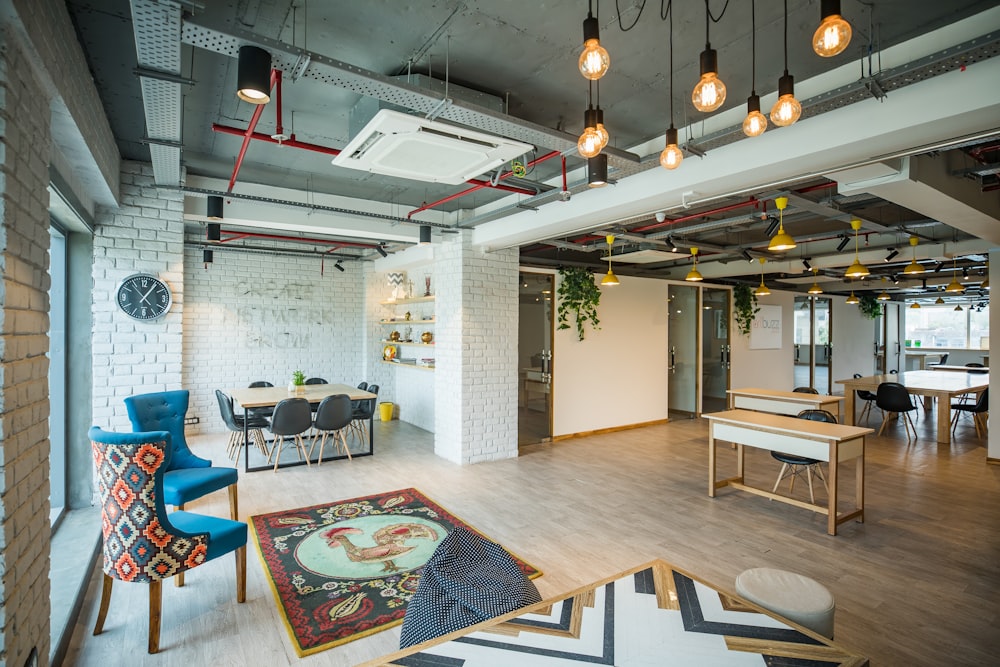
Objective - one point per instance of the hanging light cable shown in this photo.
(693, 275)
(671, 156)
(857, 269)
(787, 109)
(755, 123)
(782, 240)
(914, 266)
(610, 278)
(834, 33)
(815, 289)
(710, 93)
(762, 290)
(594, 60)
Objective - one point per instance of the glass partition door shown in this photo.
(534, 354)
(682, 354)
(715, 349)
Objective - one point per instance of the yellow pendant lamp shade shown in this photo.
(954, 286)
(815, 289)
(852, 300)
(610, 278)
(939, 301)
(762, 290)
(857, 269)
(958, 309)
(915, 305)
(884, 296)
(782, 240)
(693, 275)
(914, 266)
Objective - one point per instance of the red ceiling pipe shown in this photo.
(278, 237)
(818, 186)
(504, 175)
(275, 77)
(293, 142)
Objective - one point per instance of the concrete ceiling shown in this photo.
(523, 56)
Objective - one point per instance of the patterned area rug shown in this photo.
(344, 570)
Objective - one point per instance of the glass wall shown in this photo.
(943, 326)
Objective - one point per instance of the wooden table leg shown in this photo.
(849, 416)
(859, 491)
(831, 517)
(711, 460)
(740, 463)
(944, 420)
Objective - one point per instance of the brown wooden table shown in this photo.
(782, 402)
(268, 397)
(930, 384)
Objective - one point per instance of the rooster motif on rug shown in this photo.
(389, 543)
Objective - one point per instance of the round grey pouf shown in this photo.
(798, 598)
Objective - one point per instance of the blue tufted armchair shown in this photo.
(141, 542)
(187, 476)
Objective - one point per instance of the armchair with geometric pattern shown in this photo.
(141, 542)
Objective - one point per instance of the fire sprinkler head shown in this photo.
(564, 195)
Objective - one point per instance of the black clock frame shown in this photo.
(143, 297)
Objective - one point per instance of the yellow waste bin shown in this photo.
(385, 411)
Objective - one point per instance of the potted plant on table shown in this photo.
(298, 383)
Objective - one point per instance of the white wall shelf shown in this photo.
(415, 299)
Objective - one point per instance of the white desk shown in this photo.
(833, 443)
(782, 402)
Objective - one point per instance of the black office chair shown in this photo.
(316, 381)
(363, 386)
(292, 417)
(805, 390)
(235, 426)
(978, 410)
(893, 399)
(362, 412)
(793, 466)
(974, 364)
(259, 413)
(868, 398)
(333, 416)
(944, 359)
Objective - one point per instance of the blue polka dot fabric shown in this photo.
(467, 580)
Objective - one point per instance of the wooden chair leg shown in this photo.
(179, 579)
(276, 450)
(300, 445)
(155, 599)
(882, 427)
(809, 481)
(241, 574)
(343, 443)
(819, 471)
(778, 481)
(102, 611)
(234, 503)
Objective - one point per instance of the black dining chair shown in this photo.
(264, 413)
(894, 399)
(292, 417)
(333, 416)
(979, 411)
(793, 466)
(316, 381)
(868, 398)
(235, 426)
(362, 413)
(363, 386)
(805, 390)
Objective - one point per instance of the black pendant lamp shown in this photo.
(253, 78)
(597, 171)
(214, 208)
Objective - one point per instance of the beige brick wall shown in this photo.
(24, 408)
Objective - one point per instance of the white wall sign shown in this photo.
(765, 333)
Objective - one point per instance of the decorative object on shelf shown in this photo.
(579, 296)
(409, 289)
(745, 308)
(426, 337)
(409, 335)
(389, 352)
(394, 336)
(427, 285)
(869, 306)
(298, 383)
(396, 281)
(407, 316)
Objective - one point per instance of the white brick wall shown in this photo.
(145, 234)
(260, 316)
(476, 389)
(24, 471)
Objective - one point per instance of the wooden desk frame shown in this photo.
(782, 402)
(833, 443)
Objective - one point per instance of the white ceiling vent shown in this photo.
(398, 144)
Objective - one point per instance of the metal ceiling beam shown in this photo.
(834, 213)
(202, 32)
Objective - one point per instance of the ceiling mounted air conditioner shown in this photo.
(398, 144)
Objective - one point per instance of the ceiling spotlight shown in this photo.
(771, 227)
(805, 263)
(709, 93)
(670, 242)
(843, 244)
(610, 278)
(914, 266)
(594, 60)
(693, 275)
(381, 251)
(214, 208)
(425, 234)
(834, 33)
(894, 278)
(253, 76)
(892, 253)
(597, 171)
(338, 266)
(214, 231)
(938, 267)
(746, 255)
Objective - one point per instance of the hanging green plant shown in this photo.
(745, 308)
(578, 296)
(869, 306)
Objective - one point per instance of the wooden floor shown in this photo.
(917, 584)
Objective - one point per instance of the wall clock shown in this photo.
(143, 297)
